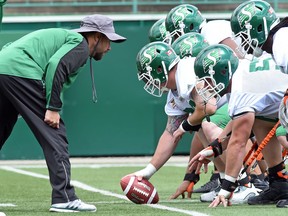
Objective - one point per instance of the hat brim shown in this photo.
(111, 35)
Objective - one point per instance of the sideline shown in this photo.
(103, 192)
(99, 162)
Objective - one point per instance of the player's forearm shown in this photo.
(225, 135)
(164, 150)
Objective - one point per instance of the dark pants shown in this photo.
(27, 98)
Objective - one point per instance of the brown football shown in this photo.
(139, 192)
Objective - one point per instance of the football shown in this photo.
(139, 192)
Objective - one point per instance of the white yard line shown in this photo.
(7, 205)
(103, 192)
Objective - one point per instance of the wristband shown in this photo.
(228, 195)
(186, 126)
(244, 179)
(192, 177)
(216, 147)
(228, 185)
(147, 172)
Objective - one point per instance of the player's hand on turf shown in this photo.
(220, 199)
(202, 158)
(52, 118)
(186, 186)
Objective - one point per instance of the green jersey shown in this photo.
(54, 56)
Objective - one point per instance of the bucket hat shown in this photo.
(102, 24)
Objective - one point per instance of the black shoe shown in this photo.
(207, 187)
(282, 203)
(259, 183)
(278, 190)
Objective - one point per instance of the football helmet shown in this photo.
(2, 2)
(251, 22)
(189, 44)
(154, 61)
(158, 32)
(214, 67)
(183, 19)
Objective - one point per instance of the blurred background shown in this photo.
(126, 121)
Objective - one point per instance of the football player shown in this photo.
(256, 92)
(162, 70)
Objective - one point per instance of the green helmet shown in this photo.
(214, 67)
(189, 44)
(183, 19)
(154, 61)
(158, 31)
(2, 2)
(251, 21)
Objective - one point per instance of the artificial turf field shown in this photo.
(25, 191)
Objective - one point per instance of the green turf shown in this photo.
(32, 195)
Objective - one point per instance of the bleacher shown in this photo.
(62, 7)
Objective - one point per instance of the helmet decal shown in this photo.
(180, 15)
(246, 14)
(148, 56)
(188, 44)
(211, 60)
(162, 30)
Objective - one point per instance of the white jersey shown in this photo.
(257, 86)
(216, 31)
(280, 48)
(179, 100)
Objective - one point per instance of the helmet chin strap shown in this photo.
(206, 115)
(94, 94)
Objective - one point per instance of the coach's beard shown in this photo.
(98, 56)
